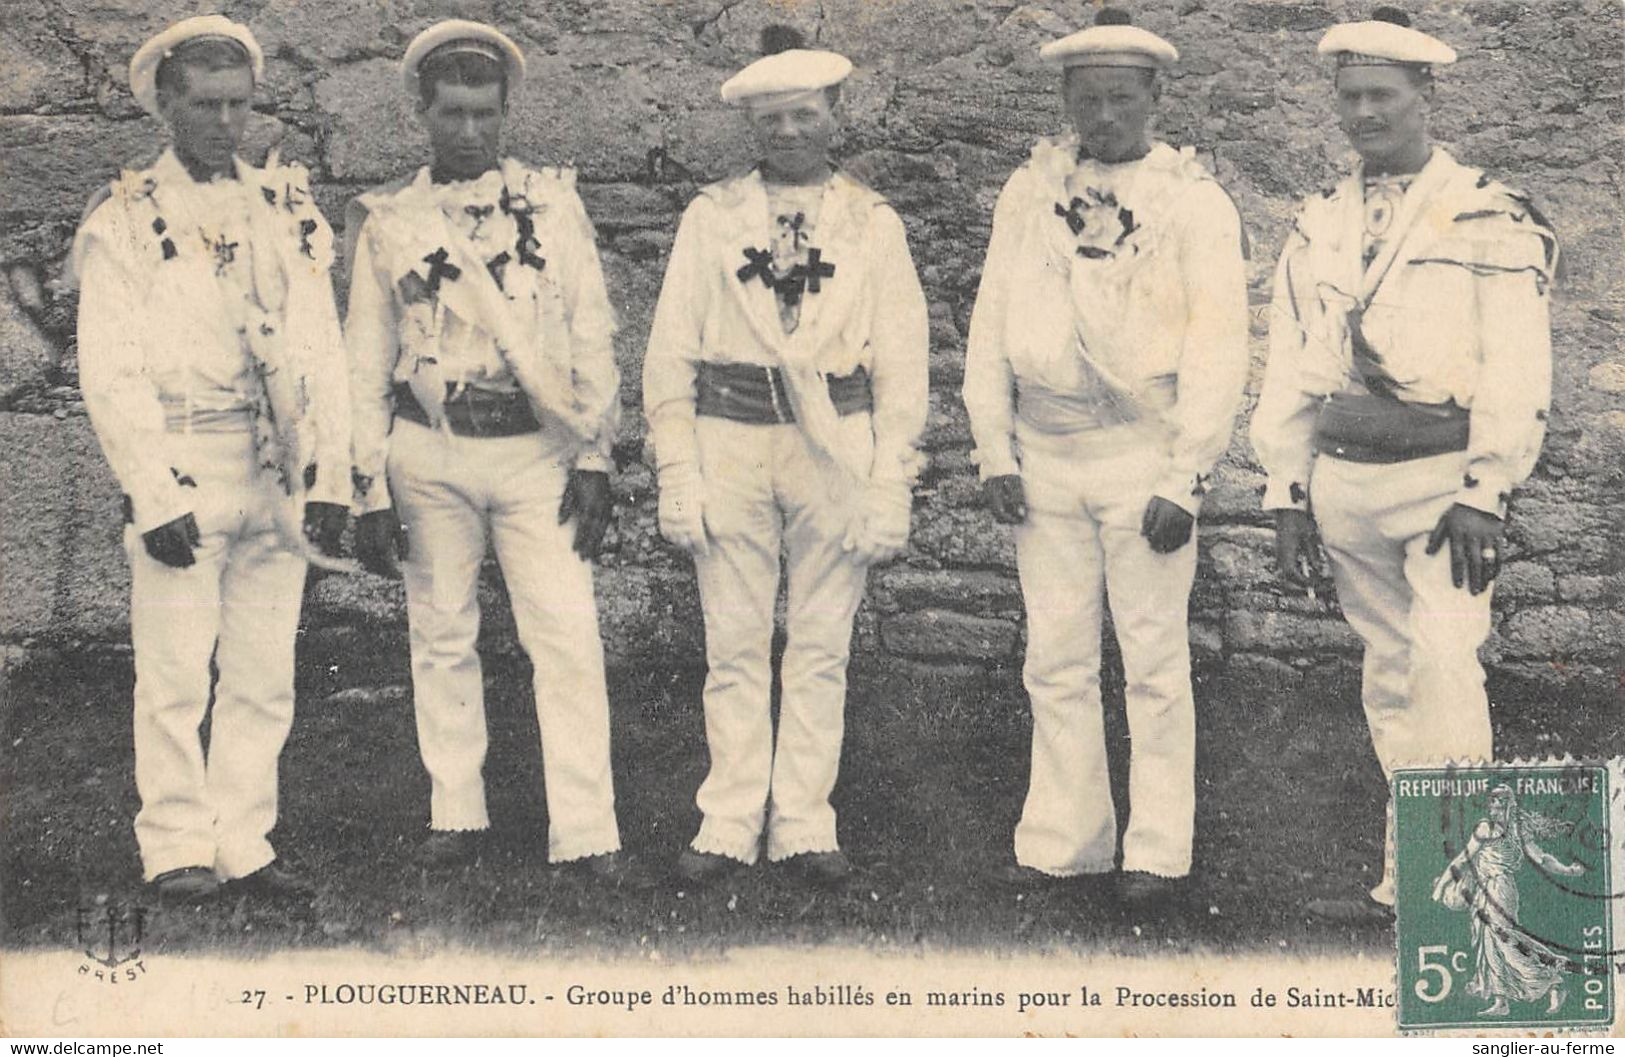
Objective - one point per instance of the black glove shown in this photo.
(379, 542)
(1166, 525)
(1297, 549)
(1006, 497)
(587, 498)
(324, 525)
(172, 542)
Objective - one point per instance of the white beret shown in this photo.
(789, 73)
(1118, 45)
(456, 34)
(1379, 43)
(144, 64)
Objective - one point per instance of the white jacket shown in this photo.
(157, 326)
(1461, 314)
(870, 313)
(1143, 286)
(549, 323)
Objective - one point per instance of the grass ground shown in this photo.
(931, 785)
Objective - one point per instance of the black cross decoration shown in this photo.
(224, 253)
(1070, 214)
(816, 269)
(440, 268)
(761, 265)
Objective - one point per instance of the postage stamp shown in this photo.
(1507, 886)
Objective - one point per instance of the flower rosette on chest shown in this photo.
(1101, 228)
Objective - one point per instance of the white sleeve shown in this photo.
(120, 396)
(989, 389)
(1213, 361)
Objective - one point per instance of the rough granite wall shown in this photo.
(947, 99)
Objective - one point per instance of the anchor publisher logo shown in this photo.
(110, 936)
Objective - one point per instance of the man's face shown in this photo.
(1110, 107)
(794, 140)
(207, 114)
(1382, 110)
(465, 128)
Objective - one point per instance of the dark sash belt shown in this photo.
(1358, 427)
(748, 392)
(473, 412)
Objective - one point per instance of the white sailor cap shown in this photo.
(1111, 41)
(461, 35)
(144, 64)
(786, 74)
(1387, 39)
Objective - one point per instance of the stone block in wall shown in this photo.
(360, 600)
(1550, 632)
(310, 34)
(1583, 588)
(53, 164)
(1602, 444)
(972, 591)
(947, 425)
(1607, 378)
(40, 70)
(963, 536)
(1234, 494)
(1547, 524)
(372, 135)
(941, 634)
(1522, 583)
(1287, 633)
(1241, 556)
(649, 616)
(26, 354)
(61, 553)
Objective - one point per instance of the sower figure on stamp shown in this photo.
(486, 401)
(785, 385)
(1482, 879)
(213, 370)
(1406, 395)
(1104, 369)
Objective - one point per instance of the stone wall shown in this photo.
(947, 99)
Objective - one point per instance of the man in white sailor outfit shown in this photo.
(213, 370)
(1105, 364)
(486, 401)
(785, 385)
(1406, 395)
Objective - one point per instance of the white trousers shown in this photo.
(449, 491)
(1086, 494)
(1422, 684)
(763, 490)
(239, 603)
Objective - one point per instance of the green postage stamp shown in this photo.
(1506, 895)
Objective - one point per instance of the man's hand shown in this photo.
(1006, 498)
(172, 542)
(879, 531)
(1166, 525)
(1297, 548)
(379, 542)
(324, 525)
(1475, 545)
(682, 508)
(587, 499)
